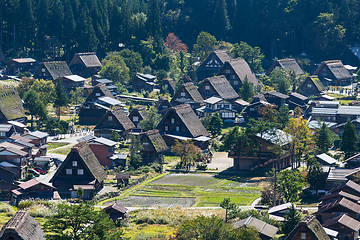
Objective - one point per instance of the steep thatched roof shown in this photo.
(188, 118)
(10, 104)
(336, 68)
(222, 86)
(316, 81)
(261, 226)
(287, 64)
(22, 226)
(141, 110)
(99, 88)
(242, 69)
(83, 151)
(87, 59)
(156, 140)
(118, 115)
(57, 69)
(193, 92)
(313, 227)
(219, 54)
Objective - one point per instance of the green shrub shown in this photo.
(201, 166)
(6, 208)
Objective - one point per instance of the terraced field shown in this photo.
(194, 190)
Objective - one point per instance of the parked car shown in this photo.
(40, 170)
(33, 172)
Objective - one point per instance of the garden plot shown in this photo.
(188, 179)
(144, 201)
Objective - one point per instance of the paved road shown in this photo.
(221, 161)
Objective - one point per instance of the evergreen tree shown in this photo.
(283, 116)
(135, 158)
(215, 124)
(221, 20)
(152, 119)
(204, 45)
(153, 25)
(292, 218)
(69, 28)
(35, 107)
(323, 138)
(61, 98)
(315, 176)
(246, 90)
(86, 37)
(349, 139)
(27, 22)
(56, 18)
(42, 22)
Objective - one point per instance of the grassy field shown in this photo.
(53, 145)
(63, 151)
(196, 190)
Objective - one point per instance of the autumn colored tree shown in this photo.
(301, 137)
(186, 150)
(175, 44)
(269, 112)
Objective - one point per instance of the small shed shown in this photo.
(325, 159)
(122, 178)
(117, 212)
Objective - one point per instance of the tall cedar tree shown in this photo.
(349, 139)
(246, 90)
(153, 24)
(215, 124)
(61, 98)
(221, 20)
(33, 104)
(315, 176)
(235, 142)
(86, 37)
(323, 138)
(292, 218)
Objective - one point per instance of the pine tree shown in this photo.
(246, 90)
(221, 20)
(69, 28)
(349, 139)
(86, 38)
(322, 138)
(61, 98)
(27, 22)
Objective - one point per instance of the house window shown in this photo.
(207, 87)
(172, 120)
(324, 74)
(145, 143)
(233, 77)
(182, 94)
(97, 94)
(177, 128)
(226, 106)
(109, 118)
(309, 85)
(74, 163)
(17, 160)
(303, 235)
(2, 134)
(110, 149)
(80, 171)
(227, 71)
(236, 82)
(135, 118)
(166, 85)
(68, 171)
(43, 70)
(218, 106)
(165, 107)
(166, 128)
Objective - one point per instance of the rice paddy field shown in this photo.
(193, 190)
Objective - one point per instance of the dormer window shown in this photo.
(74, 163)
(182, 94)
(110, 118)
(135, 118)
(172, 120)
(207, 87)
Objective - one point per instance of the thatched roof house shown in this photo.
(11, 106)
(188, 93)
(311, 86)
(217, 86)
(52, 70)
(153, 146)
(211, 65)
(85, 64)
(22, 227)
(287, 64)
(333, 71)
(310, 228)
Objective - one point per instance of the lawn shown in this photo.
(53, 145)
(63, 151)
(193, 190)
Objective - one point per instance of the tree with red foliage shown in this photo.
(175, 44)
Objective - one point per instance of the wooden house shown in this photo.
(333, 72)
(52, 70)
(337, 196)
(108, 83)
(286, 64)
(353, 161)
(16, 157)
(266, 231)
(308, 228)
(188, 94)
(276, 98)
(11, 167)
(39, 139)
(162, 104)
(345, 112)
(143, 82)
(114, 120)
(99, 101)
(217, 86)
(167, 85)
(11, 106)
(311, 86)
(136, 115)
(212, 64)
(31, 189)
(82, 169)
(104, 149)
(7, 178)
(337, 208)
(297, 100)
(154, 147)
(72, 82)
(218, 105)
(347, 227)
(22, 227)
(325, 159)
(85, 64)
(252, 110)
(18, 126)
(324, 114)
(116, 212)
(240, 105)
(122, 179)
(20, 65)
(349, 187)
(181, 123)
(235, 71)
(267, 159)
(6, 130)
